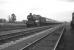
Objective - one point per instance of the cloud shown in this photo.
(3, 2)
(46, 8)
(68, 0)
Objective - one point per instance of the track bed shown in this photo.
(15, 36)
(67, 40)
(34, 39)
(46, 43)
(11, 31)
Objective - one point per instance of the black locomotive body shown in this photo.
(35, 20)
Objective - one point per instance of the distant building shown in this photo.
(2, 20)
(24, 21)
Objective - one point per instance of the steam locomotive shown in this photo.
(35, 20)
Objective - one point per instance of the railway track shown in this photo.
(11, 31)
(50, 41)
(15, 36)
(33, 41)
(59, 40)
(13, 28)
(7, 29)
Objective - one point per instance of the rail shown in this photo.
(59, 39)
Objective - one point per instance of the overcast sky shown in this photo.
(55, 9)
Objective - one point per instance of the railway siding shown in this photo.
(26, 41)
(18, 30)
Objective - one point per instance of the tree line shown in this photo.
(11, 19)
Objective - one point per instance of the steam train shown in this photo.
(72, 22)
(36, 20)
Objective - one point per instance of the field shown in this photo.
(9, 26)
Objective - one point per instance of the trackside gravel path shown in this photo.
(68, 39)
(47, 43)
